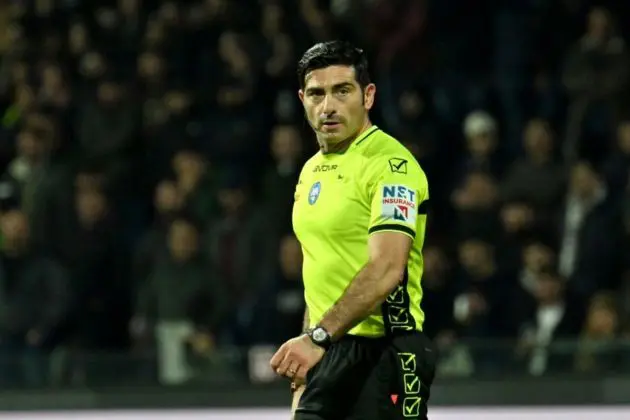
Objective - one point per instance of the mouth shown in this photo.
(329, 125)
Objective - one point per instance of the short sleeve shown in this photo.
(398, 192)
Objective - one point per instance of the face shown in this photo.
(290, 256)
(169, 12)
(547, 288)
(128, 7)
(335, 105)
(538, 138)
(150, 66)
(516, 217)
(602, 319)
(285, 143)
(411, 105)
(188, 165)
(167, 198)
(482, 188)
(473, 254)
(183, 240)
(155, 33)
(435, 265)
(92, 65)
(271, 18)
(109, 93)
(537, 256)
(24, 96)
(15, 229)
(177, 102)
(598, 23)
(481, 144)
(77, 38)
(29, 146)
(232, 200)
(52, 77)
(584, 181)
(91, 206)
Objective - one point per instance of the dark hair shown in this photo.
(334, 53)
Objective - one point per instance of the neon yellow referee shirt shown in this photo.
(340, 199)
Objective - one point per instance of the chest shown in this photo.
(329, 199)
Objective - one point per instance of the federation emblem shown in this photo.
(313, 194)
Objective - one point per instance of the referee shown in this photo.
(360, 216)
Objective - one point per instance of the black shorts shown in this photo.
(371, 379)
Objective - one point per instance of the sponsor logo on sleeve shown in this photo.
(399, 203)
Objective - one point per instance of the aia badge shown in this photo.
(399, 203)
(313, 194)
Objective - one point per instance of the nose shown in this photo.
(329, 107)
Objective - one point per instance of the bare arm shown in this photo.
(306, 323)
(388, 253)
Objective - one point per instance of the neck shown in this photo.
(343, 145)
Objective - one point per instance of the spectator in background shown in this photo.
(479, 309)
(537, 256)
(281, 306)
(597, 351)
(168, 202)
(98, 269)
(106, 128)
(596, 76)
(195, 184)
(287, 150)
(618, 163)
(551, 315)
(475, 204)
(34, 301)
(180, 302)
(479, 289)
(438, 296)
(589, 233)
(480, 131)
(536, 177)
(518, 225)
(240, 245)
(169, 127)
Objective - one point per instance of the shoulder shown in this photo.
(385, 155)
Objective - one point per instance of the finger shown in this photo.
(284, 365)
(293, 369)
(277, 358)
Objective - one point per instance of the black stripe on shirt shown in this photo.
(399, 228)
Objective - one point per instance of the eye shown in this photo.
(344, 91)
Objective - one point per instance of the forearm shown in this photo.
(306, 323)
(365, 293)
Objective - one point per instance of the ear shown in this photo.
(301, 95)
(369, 94)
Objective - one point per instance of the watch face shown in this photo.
(320, 335)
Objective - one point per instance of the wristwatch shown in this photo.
(320, 337)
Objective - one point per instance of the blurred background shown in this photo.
(149, 151)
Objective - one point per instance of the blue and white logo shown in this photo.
(313, 194)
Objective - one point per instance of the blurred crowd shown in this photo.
(149, 152)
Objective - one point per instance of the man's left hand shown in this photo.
(296, 357)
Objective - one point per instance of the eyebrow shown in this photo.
(334, 87)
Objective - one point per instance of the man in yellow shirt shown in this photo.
(360, 216)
